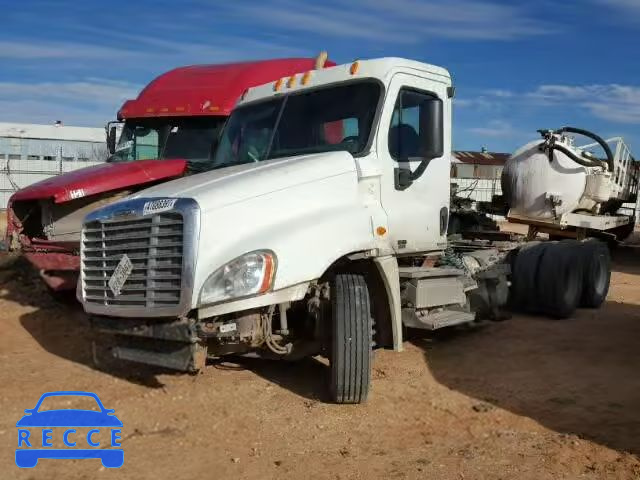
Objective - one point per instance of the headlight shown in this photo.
(249, 274)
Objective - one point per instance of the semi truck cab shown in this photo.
(319, 230)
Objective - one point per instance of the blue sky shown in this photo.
(517, 65)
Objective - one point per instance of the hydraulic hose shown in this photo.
(597, 138)
(271, 343)
(576, 158)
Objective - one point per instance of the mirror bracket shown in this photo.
(404, 177)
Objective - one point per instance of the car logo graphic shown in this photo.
(35, 433)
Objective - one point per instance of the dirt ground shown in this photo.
(528, 398)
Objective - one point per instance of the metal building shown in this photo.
(31, 153)
(477, 174)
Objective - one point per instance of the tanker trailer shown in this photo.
(564, 190)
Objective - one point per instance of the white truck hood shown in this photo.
(226, 186)
(308, 210)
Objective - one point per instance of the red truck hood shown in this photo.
(101, 178)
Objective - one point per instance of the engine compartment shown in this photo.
(55, 222)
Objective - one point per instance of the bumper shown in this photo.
(54, 261)
(58, 270)
(172, 344)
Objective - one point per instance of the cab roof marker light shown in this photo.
(306, 78)
(291, 82)
(180, 109)
(150, 110)
(278, 85)
(164, 109)
(321, 59)
(355, 66)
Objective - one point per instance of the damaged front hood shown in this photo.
(101, 178)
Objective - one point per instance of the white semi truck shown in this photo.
(299, 242)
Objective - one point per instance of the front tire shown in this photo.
(351, 339)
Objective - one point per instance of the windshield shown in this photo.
(328, 119)
(191, 138)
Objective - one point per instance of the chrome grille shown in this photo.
(154, 244)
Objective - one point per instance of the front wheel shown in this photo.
(351, 339)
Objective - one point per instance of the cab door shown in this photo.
(414, 145)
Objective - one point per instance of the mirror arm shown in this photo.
(420, 170)
(404, 177)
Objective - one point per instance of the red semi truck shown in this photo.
(170, 130)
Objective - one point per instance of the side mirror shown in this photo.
(431, 123)
(431, 129)
(111, 140)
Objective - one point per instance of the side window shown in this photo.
(414, 124)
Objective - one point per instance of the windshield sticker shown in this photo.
(157, 206)
(124, 145)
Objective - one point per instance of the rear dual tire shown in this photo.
(555, 278)
(560, 278)
(596, 261)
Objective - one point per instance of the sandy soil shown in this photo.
(529, 398)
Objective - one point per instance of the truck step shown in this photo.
(428, 272)
(434, 320)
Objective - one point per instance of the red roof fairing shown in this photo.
(208, 89)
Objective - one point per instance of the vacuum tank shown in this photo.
(550, 177)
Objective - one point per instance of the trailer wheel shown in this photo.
(597, 273)
(560, 278)
(351, 350)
